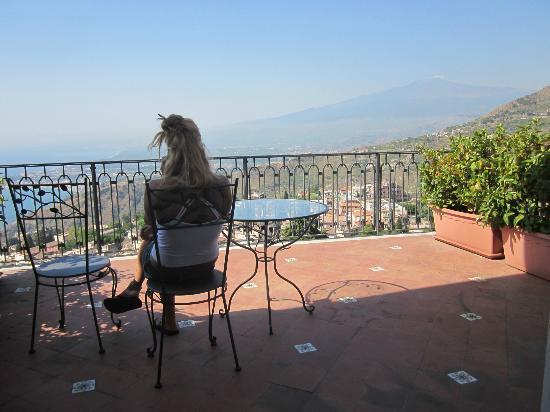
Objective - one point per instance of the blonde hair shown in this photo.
(186, 159)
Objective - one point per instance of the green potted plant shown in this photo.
(454, 183)
(519, 200)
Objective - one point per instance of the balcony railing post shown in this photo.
(377, 201)
(246, 188)
(4, 249)
(95, 200)
(246, 179)
(284, 172)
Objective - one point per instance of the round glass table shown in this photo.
(264, 212)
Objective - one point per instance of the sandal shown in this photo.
(121, 304)
(125, 301)
(168, 332)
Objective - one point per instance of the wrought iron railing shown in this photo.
(368, 193)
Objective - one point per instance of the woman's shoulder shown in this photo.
(221, 180)
(164, 182)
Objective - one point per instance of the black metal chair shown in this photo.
(195, 211)
(53, 221)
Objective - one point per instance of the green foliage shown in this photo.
(314, 193)
(74, 237)
(399, 224)
(298, 226)
(415, 209)
(504, 176)
(520, 196)
(140, 220)
(367, 230)
(459, 178)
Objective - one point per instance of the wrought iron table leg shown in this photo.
(222, 311)
(308, 307)
(267, 259)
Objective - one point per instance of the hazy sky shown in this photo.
(103, 69)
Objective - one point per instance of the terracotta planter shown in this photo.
(528, 252)
(462, 230)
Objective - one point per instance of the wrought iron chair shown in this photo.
(52, 218)
(188, 201)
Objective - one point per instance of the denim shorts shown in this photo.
(173, 275)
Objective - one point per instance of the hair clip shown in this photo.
(161, 117)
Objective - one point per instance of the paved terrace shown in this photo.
(390, 350)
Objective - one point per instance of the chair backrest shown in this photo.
(185, 208)
(52, 218)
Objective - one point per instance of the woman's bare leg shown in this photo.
(134, 287)
(170, 311)
(138, 275)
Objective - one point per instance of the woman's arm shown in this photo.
(146, 232)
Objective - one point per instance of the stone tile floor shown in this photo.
(390, 349)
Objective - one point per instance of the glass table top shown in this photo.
(269, 210)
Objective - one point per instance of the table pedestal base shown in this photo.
(265, 258)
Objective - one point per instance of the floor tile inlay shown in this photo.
(84, 386)
(96, 305)
(186, 323)
(478, 279)
(347, 299)
(471, 316)
(23, 290)
(462, 377)
(386, 340)
(289, 260)
(376, 268)
(305, 347)
(396, 247)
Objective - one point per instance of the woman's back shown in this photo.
(187, 220)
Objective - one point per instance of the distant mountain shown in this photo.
(511, 115)
(419, 108)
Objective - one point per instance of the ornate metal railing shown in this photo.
(368, 193)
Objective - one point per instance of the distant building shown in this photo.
(394, 190)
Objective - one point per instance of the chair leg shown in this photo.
(117, 323)
(237, 367)
(158, 384)
(151, 317)
(31, 350)
(101, 350)
(61, 300)
(211, 310)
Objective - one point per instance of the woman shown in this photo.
(184, 254)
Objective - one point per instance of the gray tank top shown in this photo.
(192, 245)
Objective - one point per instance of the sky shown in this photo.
(97, 72)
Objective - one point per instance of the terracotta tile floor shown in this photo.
(390, 350)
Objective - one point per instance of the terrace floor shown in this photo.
(392, 349)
